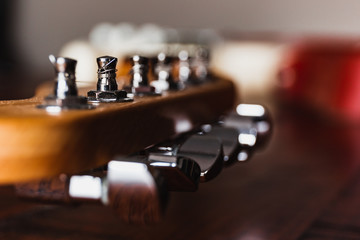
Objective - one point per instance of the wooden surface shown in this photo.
(305, 185)
(36, 144)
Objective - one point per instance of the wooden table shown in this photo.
(305, 185)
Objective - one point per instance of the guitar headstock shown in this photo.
(170, 125)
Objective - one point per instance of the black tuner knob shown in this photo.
(107, 88)
(65, 94)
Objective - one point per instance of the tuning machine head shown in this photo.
(107, 88)
(201, 151)
(65, 94)
(139, 82)
(133, 188)
(242, 132)
(163, 67)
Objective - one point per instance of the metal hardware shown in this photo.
(133, 188)
(206, 151)
(163, 73)
(107, 88)
(254, 117)
(200, 64)
(139, 77)
(184, 69)
(180, 173)
(65, 95)
(241, 132)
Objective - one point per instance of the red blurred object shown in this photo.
(324, 74)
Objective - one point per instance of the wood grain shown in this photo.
(36, 144)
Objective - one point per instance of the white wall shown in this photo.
(44, 26)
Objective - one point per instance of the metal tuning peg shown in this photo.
(242, 132)
(139, 77)
(184, 69)
(163, 74)
(180, 173)
(200, 65)
(65, 94)
(252, 116)
(133, 189)
(205, 151)
(229, 138)
(107, 88)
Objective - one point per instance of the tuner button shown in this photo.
(206, 151)
(180, 173)
(65, 95)
(107, 88)
(229, 138)
(251, 119)
(135, 191)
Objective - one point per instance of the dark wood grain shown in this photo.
(309, 164)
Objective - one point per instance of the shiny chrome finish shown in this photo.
(184, 69)
(163, 72)
(200, 64)
(139, 77)
(107, 88)
(205, 151)
(106, 73)
(132, 187)
(180, 173)
(65, 95)
(229, 138)
(251, 119)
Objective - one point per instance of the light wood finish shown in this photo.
(35, 144)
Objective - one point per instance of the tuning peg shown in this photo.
(131, 187)
(233, 149)
(255, 119)
(139, 77)
(200, 64)
(65, 94)
(163, 73)
(180, 173)
(241, 132)
(184, 69)
(107, 88)
(206, 151)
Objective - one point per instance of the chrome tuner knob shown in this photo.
(139, 77)
(163, 74)
(251, 116)
(200, 65)
(205, 151)
(242, 132)
(107, 88)
(184, 69)
(65, 94)
(180, 173)
(133, 188)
